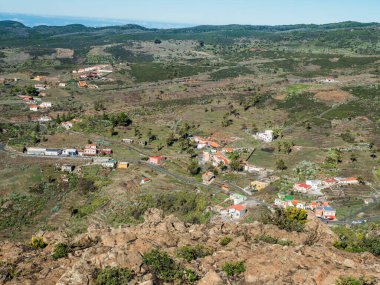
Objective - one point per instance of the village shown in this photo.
(240, 200)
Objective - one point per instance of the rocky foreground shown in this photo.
(311, 259)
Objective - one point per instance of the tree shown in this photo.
(353, 157)
(194, 167)
(157, 41)
(170, 139)
(280, 165)
(235, 164)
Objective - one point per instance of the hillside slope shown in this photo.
(316, 263)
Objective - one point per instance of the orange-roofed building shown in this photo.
(33, 108)
(237, 211)
(157, 160)
(82, 84)
(214, 144)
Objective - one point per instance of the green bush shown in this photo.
(291, 219)
(162, 265)
(190, 253)
(358, 239)
(233, 268)
(349, 280)
(224, 241)
(38, 243)
(113, 276)
(60, 250)
(166, 269)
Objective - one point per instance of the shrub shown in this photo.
(38, 242)
(349, 280)
(291, 219)
(113, 276)
(273, 240)
(190, 253)
(233, 268)
(224, 241)
(358, 239)
(61, 250)
(162, 265)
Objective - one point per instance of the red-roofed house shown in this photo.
(157, 160)
(349, 180)
(330, 182)
(301, 187)
(237, 211)
(145, 180)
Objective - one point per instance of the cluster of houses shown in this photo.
(215, 157)
(89, 150)
(321, 209)
(92, 73)
(35, 104)
(236, 211)
(314, 187)
(203, 143)
(98, 69)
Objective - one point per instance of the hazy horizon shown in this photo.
(31, 20)
(212, 12)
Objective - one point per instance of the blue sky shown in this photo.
(271, 12)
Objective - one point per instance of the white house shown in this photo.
(237, 211)
(109, 164)
(62, 84)
(40, 87)
(53, 152)
(347, 181)
(128, 141)
(266, 136)
(35, 151)
(237, 198)
(90, 150)
(67, 168)
(67, 125)
(70, 152)
(44, 119)
(315, 184)
(45, 105)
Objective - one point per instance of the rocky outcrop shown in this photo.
(311, 259)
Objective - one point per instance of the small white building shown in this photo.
(109, 164)
(70, 152)
(53, 152)
(67, 168)
(128, 141)
(62, 84)
(237, 211)
(237, 198)
(44, 119)
(35, 151)
(67, 125)
(315, 184)
(266, 136)
(46, 105)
